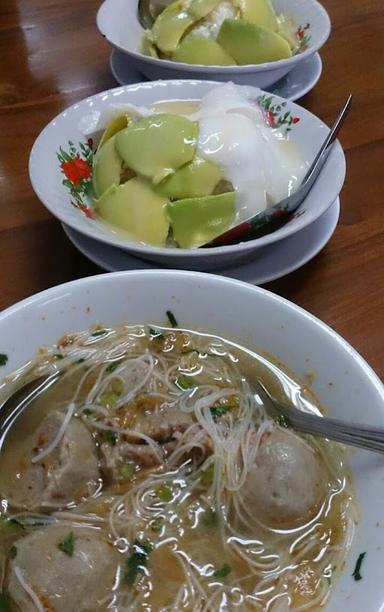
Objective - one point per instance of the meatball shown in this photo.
(68, 474)
(61, 581)
(286, 482)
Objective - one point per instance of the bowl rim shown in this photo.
(48, 296)
(222, 70)
(148, 250)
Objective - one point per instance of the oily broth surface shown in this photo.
(190, 544)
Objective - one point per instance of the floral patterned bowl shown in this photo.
(117, 21)
(60, 168)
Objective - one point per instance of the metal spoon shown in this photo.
(362, 436)
(248, 230)
(352, 434)
(148, 10)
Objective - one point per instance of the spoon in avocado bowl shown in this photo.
(351, 434)
(148, 10)
(275, 216)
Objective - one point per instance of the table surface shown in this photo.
(51, 55)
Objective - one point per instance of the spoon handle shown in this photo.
(247, 230)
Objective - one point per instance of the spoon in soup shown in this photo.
(265, 221)
(351, 434)
(362, 436)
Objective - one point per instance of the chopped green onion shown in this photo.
(99, 332)
(3, 359)
(110, 437)
(110, 398)
(206, 476)
(356, 572)
(138, 561)
(164, 493)
(67, 546)
(112, 366)
(155, 334)
(11, 554)
(185, 382)
(172, 318)
(4, 603)
(283, 421)
(218, 411)
(127, 470)
(223, 571)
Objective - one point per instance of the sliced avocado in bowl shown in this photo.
(249, 43)
(137, 209)
(156, 146)
(195, 221)
(195, 49)
(198, 178)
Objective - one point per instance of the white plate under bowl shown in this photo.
(308, 133)
(117, 21)
(266, 265)
(299, 81)
(254, 316)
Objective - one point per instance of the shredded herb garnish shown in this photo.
(4, 603)
(3, 359)
(206, 476)
(172, 318)
(99, 332)
(283, 421)
(184, 382)
(112, 366)
(12, 552)
(164, 492)
(223, 571)
(88, 411)
(67, 545)
(218, 411)
(138, 561)
(111, 437)
(127, 470)
(356, 572)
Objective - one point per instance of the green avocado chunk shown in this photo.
(248, 43)
(107, 166)
(199, 50)
(137, 209)
(158, 145)
(201, 8)
(259, 12)
(170, 26)
(198, 220)
(198, 178)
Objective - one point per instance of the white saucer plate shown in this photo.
(265, 265)
(299, 81)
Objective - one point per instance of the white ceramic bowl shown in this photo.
(47, 178)
(117, 21)
(253, 316)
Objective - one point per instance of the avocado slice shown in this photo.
(259, 12)
(158, 145)
(170, 26)
(114, 126)
(198, 220)
(201, 8)
(107, 165)
(198, 178)
(248, 43)
(137, 209)
(200, 50)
